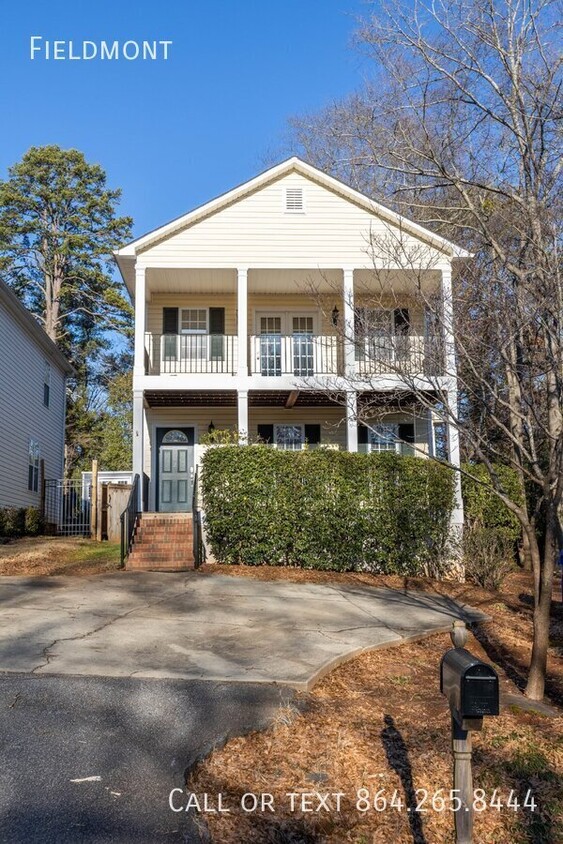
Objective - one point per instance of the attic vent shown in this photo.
(294, 199)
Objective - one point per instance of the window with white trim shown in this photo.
(193, 320)
(193, 333)
(383, 438)
(294, 200)
(47, 384)
(33, 467)
(289, 437)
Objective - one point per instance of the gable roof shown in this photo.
(291, 165)
(13, 304)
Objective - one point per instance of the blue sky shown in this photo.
(174, 133)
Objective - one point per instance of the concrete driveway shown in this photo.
(198, 626)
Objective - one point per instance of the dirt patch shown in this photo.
(44, 556)
(379, 722)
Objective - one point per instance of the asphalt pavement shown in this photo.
(93, 760)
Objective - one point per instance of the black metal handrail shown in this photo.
(199, 551)
(128, 519)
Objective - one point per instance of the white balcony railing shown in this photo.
(187, 354)
(297, 355)
(300, 355)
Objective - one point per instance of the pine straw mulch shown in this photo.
(379, 722)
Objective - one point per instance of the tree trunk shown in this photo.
(543, 587)
(524, 554)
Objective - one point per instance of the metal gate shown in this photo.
(67, 507)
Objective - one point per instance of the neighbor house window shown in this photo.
(383, 438)
(290, 437)
(47, 385)
(33, 469)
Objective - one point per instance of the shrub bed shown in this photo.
(482, 508)
(326, 510)
(20, 521)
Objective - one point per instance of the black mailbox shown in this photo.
(471, 686)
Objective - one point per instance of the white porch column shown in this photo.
(451, 395)
(351, 420)
(454, 457)
(349, 324)
(242, 321)
(140, 320)
(138, 436)
(448, 322)
(430, 434)
(242, 401)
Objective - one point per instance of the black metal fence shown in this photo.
(199, 550)
(129, 519)
(67, 507)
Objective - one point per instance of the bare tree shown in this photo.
(467, 134)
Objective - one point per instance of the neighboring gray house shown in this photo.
(33, 375)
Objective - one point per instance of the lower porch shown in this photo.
(177, 428)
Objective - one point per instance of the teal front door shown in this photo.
(175, 473)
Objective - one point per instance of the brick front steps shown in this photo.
(163, 542)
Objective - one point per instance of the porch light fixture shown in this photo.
(210, 427)
(335, 315)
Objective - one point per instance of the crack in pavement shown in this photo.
(48, 657)
(366, 612)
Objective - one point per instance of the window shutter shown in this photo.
(402, 320)
(313, 434)
(170, 327)
(266, 433)
(359, 334)
(362, 434)
(170, 320)
(217, 330)
(406, 435)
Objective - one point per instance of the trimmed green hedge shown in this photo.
(19, 521)
(326, 509)
(483, 508)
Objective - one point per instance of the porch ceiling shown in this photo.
(278, 398)
(293, 281)
(396, 282)
(178, 280)
(191, 398)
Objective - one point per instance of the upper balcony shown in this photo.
(276, 329)
(300, 355)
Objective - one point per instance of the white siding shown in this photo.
(23, 415)
(257, 231)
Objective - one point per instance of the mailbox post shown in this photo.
(472, 690)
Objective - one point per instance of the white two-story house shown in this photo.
(239, 309)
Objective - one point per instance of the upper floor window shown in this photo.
(47, 385)
(294, 200)
(193, 321)
(33, 468)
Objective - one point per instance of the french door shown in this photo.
(286, 344)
